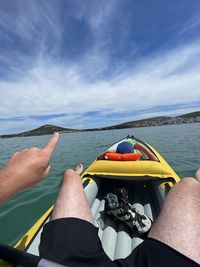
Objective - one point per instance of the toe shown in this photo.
(79, 168)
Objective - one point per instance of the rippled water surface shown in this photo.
(179, 144)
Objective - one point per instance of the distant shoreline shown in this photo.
(193, 117)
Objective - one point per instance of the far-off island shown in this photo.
(193, 117)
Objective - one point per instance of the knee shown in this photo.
(197, 175)
(181, 195)
(187, 184)
(189, 181)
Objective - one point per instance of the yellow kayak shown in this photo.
(147, 183)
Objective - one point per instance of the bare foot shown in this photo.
(79, 168)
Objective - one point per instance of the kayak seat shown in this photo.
(117, 239)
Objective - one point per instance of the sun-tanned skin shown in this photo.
(178, 222)
(71, 201)
(26, 168)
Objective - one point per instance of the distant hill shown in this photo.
(138, 123)
(157, 121)
(43, 130)
(191, 115)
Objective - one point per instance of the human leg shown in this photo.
(178, 223)
(70, 237)
(71, 201)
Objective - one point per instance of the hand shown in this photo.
(27, 167)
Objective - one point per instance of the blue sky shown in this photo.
(82, 64)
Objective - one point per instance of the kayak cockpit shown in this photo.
(116, 238)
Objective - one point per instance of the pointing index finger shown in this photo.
(50, 146)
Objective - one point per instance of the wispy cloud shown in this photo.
(190, 25)
(170, 79)
(71, 63)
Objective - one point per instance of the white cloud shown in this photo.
(102, 12)
(48, 88)
(191, 24)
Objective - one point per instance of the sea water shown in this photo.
(178, 144)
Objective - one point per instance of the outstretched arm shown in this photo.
(26, 168)
(146, 151)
